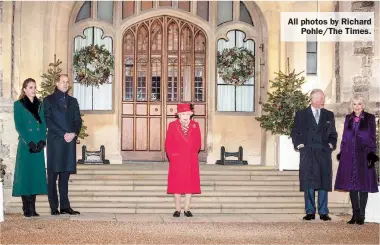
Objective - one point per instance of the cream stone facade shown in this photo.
(33, 32)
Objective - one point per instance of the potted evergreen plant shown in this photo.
(283, 102)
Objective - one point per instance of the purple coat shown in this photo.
(359, 139)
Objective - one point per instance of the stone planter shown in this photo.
(372, 211)
(288, 158)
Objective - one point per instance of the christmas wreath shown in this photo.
(236, 65)
(93, 65)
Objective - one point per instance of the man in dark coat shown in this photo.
(63, 122)
(314, 135)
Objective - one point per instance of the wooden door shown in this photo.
(163, 65)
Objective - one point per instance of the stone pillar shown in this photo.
(8, 134)
(356, 62)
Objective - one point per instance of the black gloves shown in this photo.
(32, 147)
(372, 158)
(40, 145)
(338, 156)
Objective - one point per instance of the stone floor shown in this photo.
(201, 229)
(167, 218)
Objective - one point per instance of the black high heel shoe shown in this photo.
(188, 214)
(176, 214)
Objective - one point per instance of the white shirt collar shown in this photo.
(314, 110)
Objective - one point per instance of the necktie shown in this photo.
(317, 116)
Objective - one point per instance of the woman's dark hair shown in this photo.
(24, 85)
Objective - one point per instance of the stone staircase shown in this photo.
(141, 188)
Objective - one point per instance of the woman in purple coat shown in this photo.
(356, 171)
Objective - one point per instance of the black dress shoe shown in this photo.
(54, 212)
(176, 214)
(188, 214)
(360, 221)
(324, 217)
(309, 217)
(69, 211)
(353, 220)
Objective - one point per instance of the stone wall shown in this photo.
(8, 134)
(1, 52)
(357, 64)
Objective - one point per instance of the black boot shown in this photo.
(354, 196)
(33, 206)
(25, 206)
(353, 220)
(363, 203)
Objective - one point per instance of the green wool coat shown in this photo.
(30, 174)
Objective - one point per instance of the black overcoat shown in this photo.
(315, 171)
(61, 156)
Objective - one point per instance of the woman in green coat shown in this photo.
(30, 174)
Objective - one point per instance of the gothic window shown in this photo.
(92, 97)
(129, 61)
(232, 98)
(145, 5)
(84, 12)
(202, 9)
(225, 11)
(105, 11)
(165, 3)
(244, 14)
(183, 48)
(184, 5)
(128, 9)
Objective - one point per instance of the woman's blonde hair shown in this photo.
(24, 85)
(357, 98)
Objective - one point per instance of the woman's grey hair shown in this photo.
(357, 98)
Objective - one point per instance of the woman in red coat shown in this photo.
(182, 143)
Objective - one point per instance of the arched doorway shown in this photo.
(164, 63)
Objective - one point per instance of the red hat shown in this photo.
(183, 107)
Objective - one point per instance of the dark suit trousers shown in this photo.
(63, 183)
(358, 202)
(310, 208)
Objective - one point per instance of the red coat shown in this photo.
(182, 151)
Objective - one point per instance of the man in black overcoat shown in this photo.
(63, 123)
(314, 135)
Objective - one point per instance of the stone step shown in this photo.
(202, 173)
(164, 187)
(164, 183)
(165, 165)
(196, 209)
(167, 198)
(111, 204)
(164, 177)
(158, 193)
